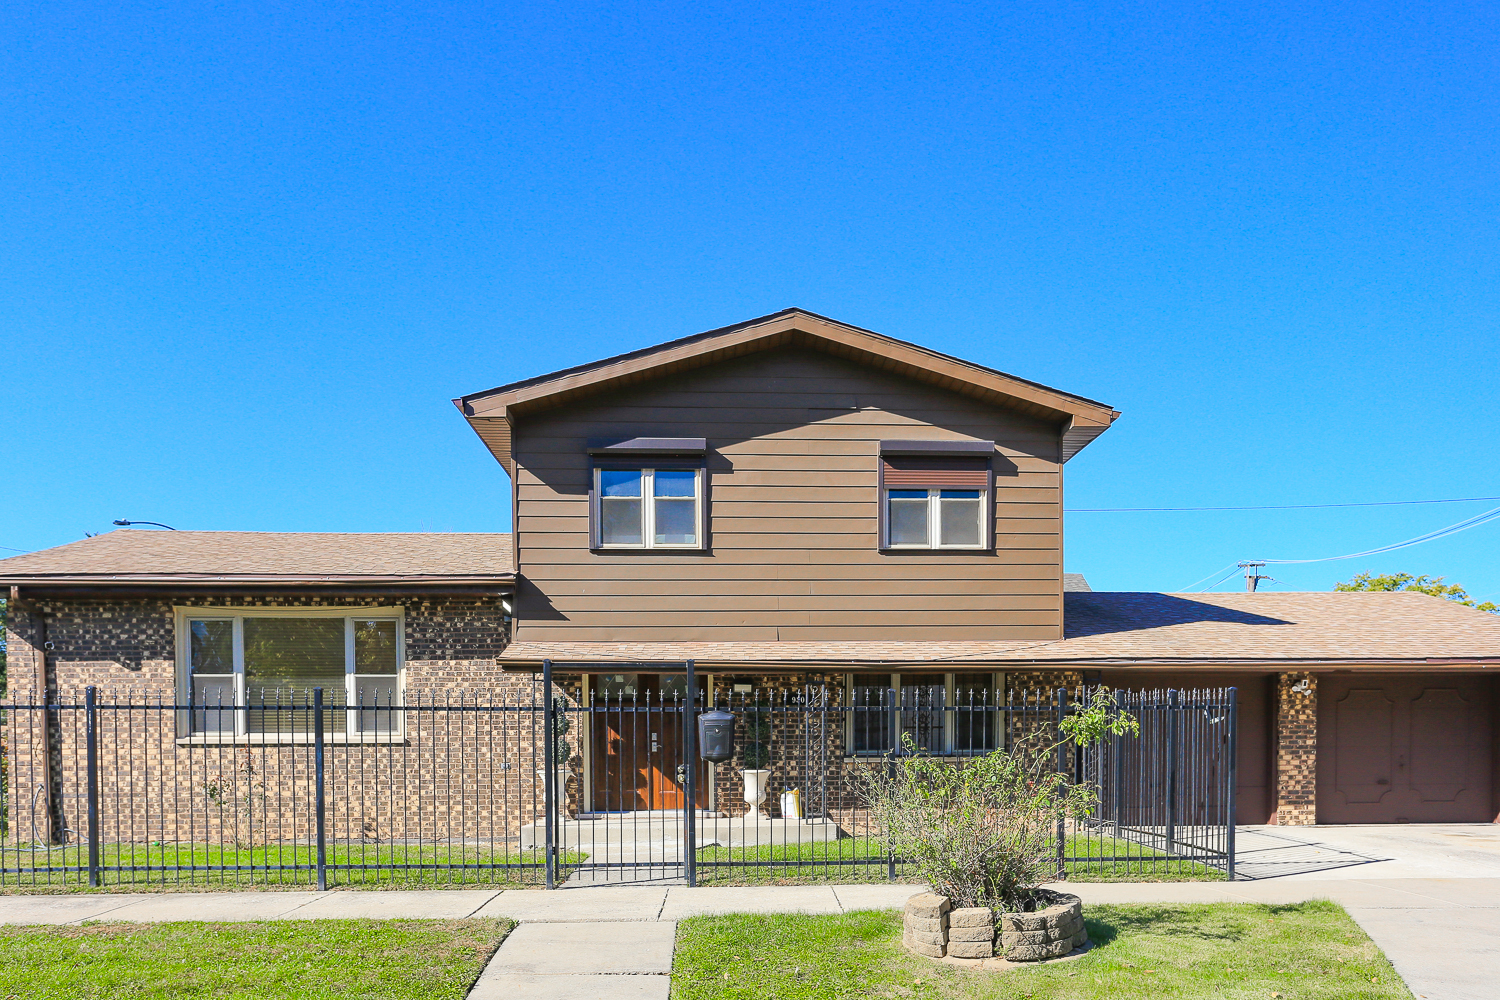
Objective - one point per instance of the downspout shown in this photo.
(51, 732)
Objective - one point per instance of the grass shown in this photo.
(136, 861)
(281, 960)
(1221, 950)
(1143, 864)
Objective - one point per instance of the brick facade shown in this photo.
(1296, 747)
(157, 786)
(468, 767)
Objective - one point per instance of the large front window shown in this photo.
(649, 508)
(940, 713)
(254, 674)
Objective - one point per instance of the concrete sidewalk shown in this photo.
(1442, 934)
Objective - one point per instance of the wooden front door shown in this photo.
(637, 742)
(1404, 749)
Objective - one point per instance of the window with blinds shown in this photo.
(935, 502)
(255, 674)
(957, 713)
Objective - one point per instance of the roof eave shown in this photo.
(1216, 664)
(1083, 419)
(232, 580)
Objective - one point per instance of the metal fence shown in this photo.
(560, 782)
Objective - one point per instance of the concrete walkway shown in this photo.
(607, 942)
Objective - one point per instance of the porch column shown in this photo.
(1296, 749)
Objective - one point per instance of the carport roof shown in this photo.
(1277, 630)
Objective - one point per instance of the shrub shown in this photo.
(983, 831)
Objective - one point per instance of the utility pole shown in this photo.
(1253, 575)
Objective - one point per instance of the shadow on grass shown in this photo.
(1170, 922)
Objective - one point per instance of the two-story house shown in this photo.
(785, 501)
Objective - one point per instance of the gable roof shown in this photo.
(1240, 631)
(217, 558)
(490, 412)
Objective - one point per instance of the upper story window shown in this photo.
(649, 508)
(252, 673)
(935, 502)
(649, 493)
(935, 519)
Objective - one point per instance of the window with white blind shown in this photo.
(252, 673)
(935, 502)
(648, 508)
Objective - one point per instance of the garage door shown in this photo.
(1411, 748)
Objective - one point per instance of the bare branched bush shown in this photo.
(983, 830)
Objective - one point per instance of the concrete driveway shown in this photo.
(1448, 850)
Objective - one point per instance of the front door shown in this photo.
(637, 742)
(1404, 749)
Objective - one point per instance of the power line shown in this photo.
(1452, 529)
(1231, 566)
(9, 549)
(1433, 535)
(1221, 579)
(1288, 506)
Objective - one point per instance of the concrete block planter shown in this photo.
(932, 927)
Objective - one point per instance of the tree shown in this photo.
(1433, 586)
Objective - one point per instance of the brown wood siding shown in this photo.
(793, 468)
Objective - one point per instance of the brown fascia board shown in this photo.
(1216, 665)
(490, 412)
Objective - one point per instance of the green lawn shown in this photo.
(283, 960)
(1222, 950)
(139, 857)
(1141, 865)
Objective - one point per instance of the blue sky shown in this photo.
(248, 252)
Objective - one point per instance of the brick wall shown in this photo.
(1296, 734)
(460, 772)
(129, 644)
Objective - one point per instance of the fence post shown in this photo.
(1232, 780)
(690, 745)
(549, 791)
(893, 718)
(319, 801)
(1116, 773)
(1060, 696)
(1172, 714)
(91, 736)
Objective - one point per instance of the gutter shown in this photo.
(238, 580)
(1441, 664)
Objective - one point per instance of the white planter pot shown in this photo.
(559, 787)
(756, 783)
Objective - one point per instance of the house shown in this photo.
(786, 501)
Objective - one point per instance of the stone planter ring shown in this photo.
(978, 935)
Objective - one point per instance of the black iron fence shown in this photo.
(553, 782)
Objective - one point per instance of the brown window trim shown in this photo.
(632, 460)
(935, 449)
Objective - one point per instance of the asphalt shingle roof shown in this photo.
(1105, 627)
(128, 555)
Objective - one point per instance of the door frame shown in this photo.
(709, 682)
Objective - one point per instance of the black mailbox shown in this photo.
(716, 736)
